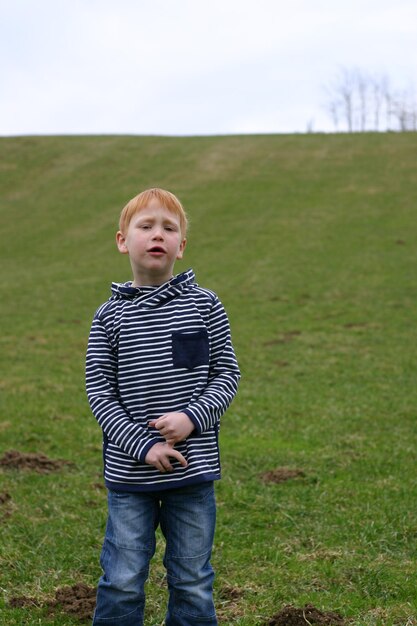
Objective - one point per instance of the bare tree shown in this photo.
(362, 84)
(362, 101)
(377, 99)
(341, 94)
(388, 102)
(346, 89)
(413, 119)
(405, 110)
(334, 112)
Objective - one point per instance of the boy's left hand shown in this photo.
(174, 427)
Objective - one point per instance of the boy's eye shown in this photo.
(168, 227)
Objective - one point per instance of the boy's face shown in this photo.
(153, 242)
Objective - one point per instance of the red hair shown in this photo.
(167, 200)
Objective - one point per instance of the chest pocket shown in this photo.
(190, 350)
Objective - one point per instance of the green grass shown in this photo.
(310, 242)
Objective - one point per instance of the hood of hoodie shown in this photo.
(152, 296)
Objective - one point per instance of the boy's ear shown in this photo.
(121, 242)
(181, 249)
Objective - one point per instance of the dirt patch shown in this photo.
(356, 325)
(5, 498)
(281, 475)
(78, 601)
(13, 459)
(285, 338)
(291, 616)
(228, 604)
(99, 486)
(5, 505)
(230, 593)
(21, 602)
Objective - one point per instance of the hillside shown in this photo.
(310, 242)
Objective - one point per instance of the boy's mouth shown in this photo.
(156, 250)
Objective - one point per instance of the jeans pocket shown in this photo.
(190, 350)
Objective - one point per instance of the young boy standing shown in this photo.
(160, 372)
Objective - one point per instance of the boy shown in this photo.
(160, 372)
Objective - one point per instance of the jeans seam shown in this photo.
(148, 551)
(200, 617)
(107, 619)
(171, 557)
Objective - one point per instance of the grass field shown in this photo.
(310, 242)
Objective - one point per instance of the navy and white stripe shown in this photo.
(151, 351)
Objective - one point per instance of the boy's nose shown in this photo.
(158, 233)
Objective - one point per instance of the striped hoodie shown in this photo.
(153, 350)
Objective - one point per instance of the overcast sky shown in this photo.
(191, 67)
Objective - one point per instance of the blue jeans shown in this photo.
(187, 517)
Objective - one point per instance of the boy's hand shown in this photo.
(159, 456)
(174, 427)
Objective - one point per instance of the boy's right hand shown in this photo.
(159, 456)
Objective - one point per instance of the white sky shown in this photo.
(191, 67)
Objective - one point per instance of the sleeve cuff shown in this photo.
(146, 449)
(194, 420)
